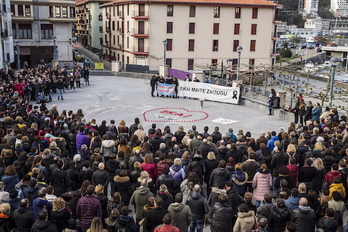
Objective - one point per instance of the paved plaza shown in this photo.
(114, 97)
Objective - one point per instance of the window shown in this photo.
(235, 45)
(255, 12)
(214, 62)
(253, 29)
(127, 42)
(64, 12)
(251, 64)
(13, 11)
(20, 10)
(169, 27)
(113, 25)
(170, 10)
(14, 31)
(216, 12)
(190, 63)
(237, 13)
(191, 46)
(234, 63)
(46, 31)
(236, 28)
(216, 28)
(51, 11)
(169, 44)
(27, 10)
(252, 45)
(192, 11)
(192, 28)
(24, 31)
(127, 10)
(215, 45)
(169, 62)
(141, 9)
(72, 12)
(57, 10)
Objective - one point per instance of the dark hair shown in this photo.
(43, 215)
(291, 227)
(90, 190)
(280, 203)
(268, 198)
(243, 208)
(158, 201)
(330, 212)
(294, 192)
(336, 196)
(178, 198)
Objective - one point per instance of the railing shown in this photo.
(136, 49)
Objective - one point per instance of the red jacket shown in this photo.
(166, 228)
(331, 174)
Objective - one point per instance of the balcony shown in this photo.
(121, 31)
(140, 15)
(108, 30)
(144, 51)
(25, 18)
(144, 33)
(108, 15)
(4, 34)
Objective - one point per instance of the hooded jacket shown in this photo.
(198, 205)
(245, 222)
(222, 218)
(270, 143)
(178, 173)
(100, 176)
(139, 200)
(292, 203)
(181, 215)
(10, 181)
(218, 177)
(122, 185)
(24, 219)
(304, 218)
(327, 224)
(262, 184)
(239, 179)
(107, 148)
(278, 219)
(43, 226)
(127, 222)
(339, 188)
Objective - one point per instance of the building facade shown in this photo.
(89, 24)
(35, 24)
(6, 39)
(311, 6)
(191, 34)
(339, 8)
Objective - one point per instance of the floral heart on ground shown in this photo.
(174, 114)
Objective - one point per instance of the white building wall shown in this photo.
(6, 39)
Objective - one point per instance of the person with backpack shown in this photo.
(328, 223)
(338, 206)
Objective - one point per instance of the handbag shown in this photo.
(141, 222)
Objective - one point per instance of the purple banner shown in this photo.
(179, 74)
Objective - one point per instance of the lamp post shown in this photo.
(239, 50)
(164, 52)
(55, 58)
(334, 61)
(18, 54)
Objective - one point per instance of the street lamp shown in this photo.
(334, 60)
(239, 50)
(18, 54)
(164, 52)
(55, 58)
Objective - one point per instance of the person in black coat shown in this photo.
(42, 224)
(307, 174)
(328, 223)
(123, 185)
(60, 214)
(23, 216)
(279, 159)
(167, 198)
(156, 141)
(219, 175)
(101, 176)
(167, 180)
(222, 215)
(60, 179)
(155, 216)
(74, 175)
(278, 217)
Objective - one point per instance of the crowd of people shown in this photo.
(57, 170)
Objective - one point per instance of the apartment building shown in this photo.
(339, 8)
(190, 34)
(6, 40)
(89, 23)
(311, 6)
(36, 23)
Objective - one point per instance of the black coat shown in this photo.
(24, 219)
(122, 185)
(154, 218)
(278, 218)
(328, 224)
(210, 166)
(60, 218)
(100, 177)
(61, 181)
(222, 218)
(43, 226)
(155, 143)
